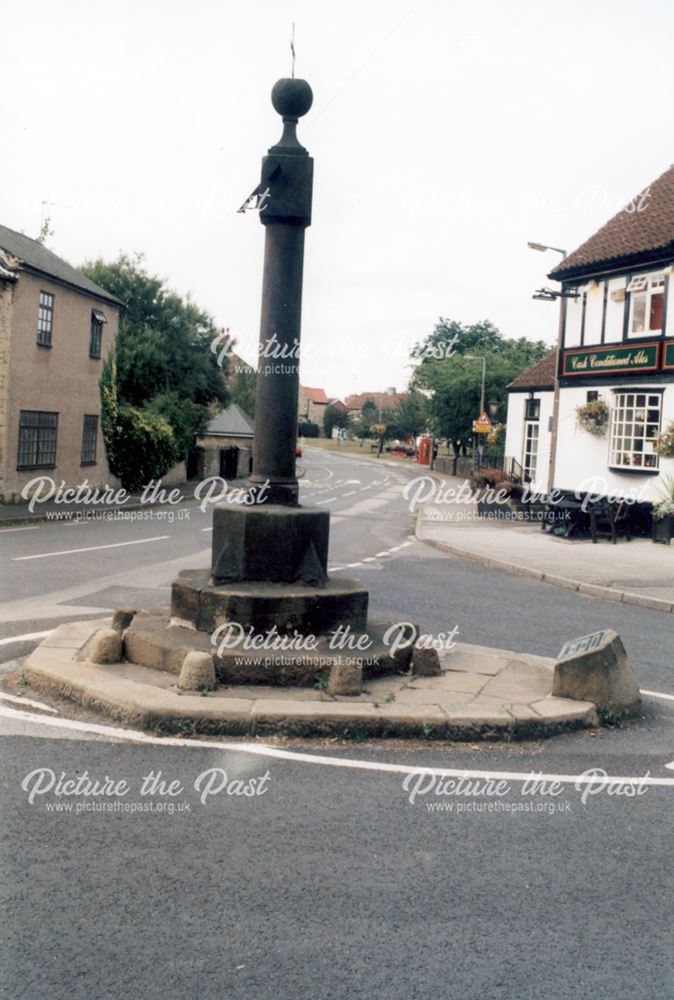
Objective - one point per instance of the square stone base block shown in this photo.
(270, 543)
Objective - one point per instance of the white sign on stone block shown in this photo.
(595, 668)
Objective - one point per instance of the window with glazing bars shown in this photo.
(37, 439)
(89, 438)
(45, 317)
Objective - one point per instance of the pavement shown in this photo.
(636, 572)
(481, 693)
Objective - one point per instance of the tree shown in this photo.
(408, 418)
(451, 381)
(334, 416)
(242, 388)
(361, 426)
(164, 362)
(308, 429)
(139, 442)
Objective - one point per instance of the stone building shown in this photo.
(226, 448)
(56, 329)
(312, 404)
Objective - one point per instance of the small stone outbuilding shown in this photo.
(226, 448)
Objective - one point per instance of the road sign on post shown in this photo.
(483, 424)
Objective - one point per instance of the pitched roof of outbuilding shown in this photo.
(642, 231)
(36, 257)
(541, 375)
(231, 422)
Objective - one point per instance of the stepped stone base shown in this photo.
(289, 607)
(151, 641)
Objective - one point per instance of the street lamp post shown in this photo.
(563, 296)
(475, 357)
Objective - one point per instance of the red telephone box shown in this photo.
(425, 450)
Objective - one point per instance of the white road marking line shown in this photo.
(91, 548)
(32, 527)
(27, 637)
(353, 565)
(379, 555)
(27, 701)
(658, 694)
(207, 529)
(260, 750)
(369, 559)
(335, 569)
(329, 500)
(349, 494)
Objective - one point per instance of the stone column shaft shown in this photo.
(278, 366)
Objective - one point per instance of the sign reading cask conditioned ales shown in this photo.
(611, 360)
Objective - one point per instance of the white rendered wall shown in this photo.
(582, 458)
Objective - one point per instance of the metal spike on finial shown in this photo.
(292, 50)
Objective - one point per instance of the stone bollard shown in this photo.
(122, 618)
(595, 668)
(197, 672)
(105, 646)
(425, 662)
(345, 679)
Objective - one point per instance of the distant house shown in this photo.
(56, 329)
(382, 401)
(312, 404)
(226, 447)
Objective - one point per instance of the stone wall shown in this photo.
(6, 301)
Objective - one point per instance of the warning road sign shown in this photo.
(483, 424)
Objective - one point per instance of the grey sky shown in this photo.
(445, 135)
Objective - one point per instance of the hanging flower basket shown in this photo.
(664, 444)
(593, 417)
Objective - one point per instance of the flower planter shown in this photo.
(663, 529)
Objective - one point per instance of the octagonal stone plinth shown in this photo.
(287, 607)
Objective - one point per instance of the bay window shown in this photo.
(635, 425)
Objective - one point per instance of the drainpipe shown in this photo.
(555, 399)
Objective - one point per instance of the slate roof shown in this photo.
(231, 422)
(35, 257)
(541, 375)
(640, 232)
